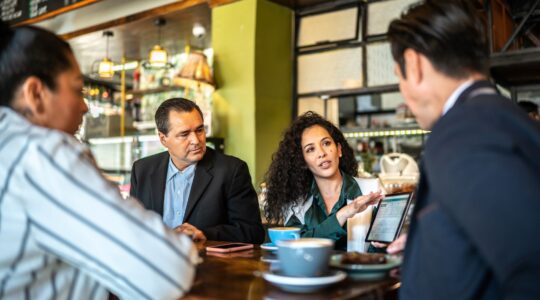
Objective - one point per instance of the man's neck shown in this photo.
(181, 166)
(447, 86)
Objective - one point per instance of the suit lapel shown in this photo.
(159, 177)
(202, 178)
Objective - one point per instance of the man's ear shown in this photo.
(162, 138)
(413, 65)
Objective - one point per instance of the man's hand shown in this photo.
(395, 247)
(195, 234)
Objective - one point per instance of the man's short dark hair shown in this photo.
(449, 33)
(175, 104)
(528, 106)
(29, 51)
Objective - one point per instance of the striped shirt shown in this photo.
(66, 233)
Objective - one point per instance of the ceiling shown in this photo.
(134, 40)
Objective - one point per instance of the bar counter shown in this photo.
(238, 276)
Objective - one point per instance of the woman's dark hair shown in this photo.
(175, 104)
(288, 179)
(449, 33)
(29, 51)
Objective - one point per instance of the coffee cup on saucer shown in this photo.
(305, 257)
(283, 233)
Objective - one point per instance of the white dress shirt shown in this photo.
(66, 233)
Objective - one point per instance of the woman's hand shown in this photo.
(358, 205)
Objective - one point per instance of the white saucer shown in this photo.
(269, 247)
(270, 259)
(303, 284)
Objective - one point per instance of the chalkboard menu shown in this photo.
(15, 11)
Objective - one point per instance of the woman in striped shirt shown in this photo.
(65, 232)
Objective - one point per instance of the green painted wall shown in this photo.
(273, 84)
(233, 40)
(252, 41)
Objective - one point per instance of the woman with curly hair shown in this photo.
(311, 181)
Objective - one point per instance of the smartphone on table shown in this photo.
(229, 247)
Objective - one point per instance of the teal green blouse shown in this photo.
(319, 224)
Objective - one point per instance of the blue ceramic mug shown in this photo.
(307, 257)
(283, 233)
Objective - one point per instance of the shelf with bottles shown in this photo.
(152, 86)
(378, 124)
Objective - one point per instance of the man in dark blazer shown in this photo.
(474, 231)
(215, 200)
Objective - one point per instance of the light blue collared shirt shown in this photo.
(455, 95)
(177, 190)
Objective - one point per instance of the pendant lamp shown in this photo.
(105, 69)
(158, 56)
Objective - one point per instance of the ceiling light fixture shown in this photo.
(158, 56)
(105, 69)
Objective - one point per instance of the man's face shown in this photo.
(417, 99)
(186, 139)
(64, 107)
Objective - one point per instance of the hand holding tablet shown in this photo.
(389, 218)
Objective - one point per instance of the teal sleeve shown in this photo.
(329, 228)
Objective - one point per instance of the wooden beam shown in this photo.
(216, 3)
(57, 12)
(158, 11)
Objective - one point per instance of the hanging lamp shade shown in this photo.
(158, 57)
(196, 72)
(105, 68)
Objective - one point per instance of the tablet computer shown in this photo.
(389, 218)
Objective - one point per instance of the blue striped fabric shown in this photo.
(66, 233)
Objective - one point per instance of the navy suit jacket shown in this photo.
(222, 202)
(475, 228)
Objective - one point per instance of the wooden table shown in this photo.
(237, 276)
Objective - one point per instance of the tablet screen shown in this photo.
(389, 218)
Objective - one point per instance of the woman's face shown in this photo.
(63, 107)
(321, 152)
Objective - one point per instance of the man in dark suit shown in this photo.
(474, 231)
(196, 190)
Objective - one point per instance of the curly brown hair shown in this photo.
(288, 179)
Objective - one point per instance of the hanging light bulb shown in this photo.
(105, 69)
(158, 55)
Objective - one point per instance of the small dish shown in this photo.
(366, 272)
(269, 247)
(303, 284)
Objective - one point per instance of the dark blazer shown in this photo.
(222, 202)
(475, 227)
